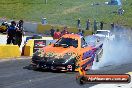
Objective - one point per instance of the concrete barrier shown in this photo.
(9, 51)
(30, 27)
(43, 28)
(40, 28)
(28, 48)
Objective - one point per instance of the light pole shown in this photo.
(46, 1)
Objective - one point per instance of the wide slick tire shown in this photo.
(98, 55)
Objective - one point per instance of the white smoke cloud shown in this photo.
(117, 51)
(119, 2)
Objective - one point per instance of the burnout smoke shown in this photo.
(116, 51)
(119, 2)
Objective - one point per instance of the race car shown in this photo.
(105, 34)
(66, 54)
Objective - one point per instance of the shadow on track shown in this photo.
(30, 67)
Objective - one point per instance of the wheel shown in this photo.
(98, 55)
(36, 68)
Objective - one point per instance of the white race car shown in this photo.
(105, 34)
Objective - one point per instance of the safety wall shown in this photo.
(28, 48)
(43, 28)
(36, 27)
(30, 27)
(40, 28)
(9, 51)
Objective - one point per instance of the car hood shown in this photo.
(51, 51)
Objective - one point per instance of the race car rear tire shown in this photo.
(99, 55)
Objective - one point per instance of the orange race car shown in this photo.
(67, 53)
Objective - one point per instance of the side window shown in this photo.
(83, 43)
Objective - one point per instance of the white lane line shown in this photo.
(12, 59)
(129, 85)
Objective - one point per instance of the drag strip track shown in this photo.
(14, 74)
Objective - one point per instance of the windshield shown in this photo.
(102, 32)
(91, 40)
(66, 42)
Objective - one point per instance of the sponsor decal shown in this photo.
(59, 55)
(89, 62)
(39, 44)
(87, 54)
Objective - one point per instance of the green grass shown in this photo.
(67, 13)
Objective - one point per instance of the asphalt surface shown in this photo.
(17, 74)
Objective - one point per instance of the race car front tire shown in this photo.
(36, 67)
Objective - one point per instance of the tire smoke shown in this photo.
(116, 51)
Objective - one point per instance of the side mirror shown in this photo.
(83, 46)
